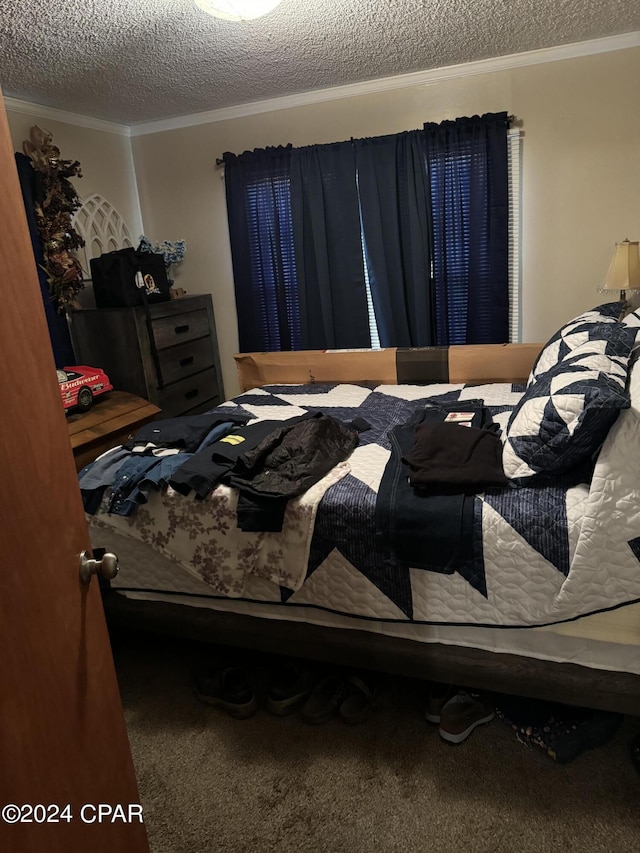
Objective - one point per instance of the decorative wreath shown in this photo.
(55, 203)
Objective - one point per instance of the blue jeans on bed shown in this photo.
(432, 532)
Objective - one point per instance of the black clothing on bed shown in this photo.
(294, 457)
(185, 432)
(450, 457)
(432, 532)
(206, 469)
(257, 514)
(287, 463)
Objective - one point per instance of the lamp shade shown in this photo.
(237, 10)
(624, 270)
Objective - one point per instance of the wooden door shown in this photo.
(63, 741)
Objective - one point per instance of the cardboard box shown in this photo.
(492, 362)
(481, 363)
(282, 368)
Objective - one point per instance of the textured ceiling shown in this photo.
(130, 61)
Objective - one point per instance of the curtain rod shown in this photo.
(511, 120)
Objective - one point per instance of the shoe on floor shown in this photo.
(462, 714)
(439, 695)
(290, 686)
(229, 690)
(566, 741)
(325, 699)
(562, 731)
(359, 702)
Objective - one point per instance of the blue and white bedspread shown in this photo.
(543, 554)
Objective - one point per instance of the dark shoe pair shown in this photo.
(231, 690)
(290, 686)
(352, 698)
(228, 689)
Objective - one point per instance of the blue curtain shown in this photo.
(467, 162)
(397, 233)
(56, 321)
(262, 250)
(414, 224)
(328, 246)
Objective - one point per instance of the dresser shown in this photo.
(182, 377)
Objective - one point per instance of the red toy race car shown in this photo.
(80, 384)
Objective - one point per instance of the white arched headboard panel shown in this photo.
(102, 228)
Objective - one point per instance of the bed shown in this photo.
(550, 606)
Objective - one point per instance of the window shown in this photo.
(465, 259)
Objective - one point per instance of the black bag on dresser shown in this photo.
(122, 279)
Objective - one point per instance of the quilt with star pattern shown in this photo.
(543, 553)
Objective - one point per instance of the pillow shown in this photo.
(632, 319)
(563, 418)
(611, 310)
(587, 326)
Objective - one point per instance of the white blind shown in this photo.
(514, 154)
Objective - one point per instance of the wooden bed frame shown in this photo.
(562, 682)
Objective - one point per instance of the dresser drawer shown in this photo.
(190, 392)
(179, 362)
(169, 331)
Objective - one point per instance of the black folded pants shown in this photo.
(431, 532)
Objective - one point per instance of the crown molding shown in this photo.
(368, 87)
(400, 81)
(18, 106)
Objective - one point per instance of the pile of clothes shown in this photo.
(269, 462)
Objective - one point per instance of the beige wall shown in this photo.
(581, 175)
(106, 160)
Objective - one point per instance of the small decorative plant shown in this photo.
(172, 253)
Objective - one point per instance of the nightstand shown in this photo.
(108, 422)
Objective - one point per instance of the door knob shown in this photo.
(107, 567)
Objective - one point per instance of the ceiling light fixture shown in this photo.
(237, 10)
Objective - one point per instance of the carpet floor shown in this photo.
(212, 784)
